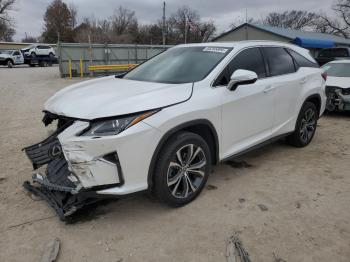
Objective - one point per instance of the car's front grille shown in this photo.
(44, 152)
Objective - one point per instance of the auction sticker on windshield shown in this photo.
(215, 50)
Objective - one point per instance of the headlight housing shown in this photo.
(115, 126)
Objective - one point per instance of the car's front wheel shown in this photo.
(182, 169)
(305, 127)
(9, 63)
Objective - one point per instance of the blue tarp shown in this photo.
(313, 43)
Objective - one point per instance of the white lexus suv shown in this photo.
(164, 124)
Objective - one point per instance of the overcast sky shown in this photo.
(28, 14)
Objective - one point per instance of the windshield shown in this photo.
(179, 65)
(338, 69)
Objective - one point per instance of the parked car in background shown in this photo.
(39, 50)
(330, 54)
(10, 58)
(338, 85)
(162, 125)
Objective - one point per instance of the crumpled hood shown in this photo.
(342, 82)
(110, 96)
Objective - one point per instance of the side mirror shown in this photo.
(241, 77)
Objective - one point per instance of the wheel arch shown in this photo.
(201, 127)
(9, 59)
(315, 99)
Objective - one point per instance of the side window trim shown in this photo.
(296, 65)
(269, 76)
(267, 67)
(215, 84)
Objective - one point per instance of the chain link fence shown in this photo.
(78, 57)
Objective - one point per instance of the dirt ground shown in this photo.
(286, 203)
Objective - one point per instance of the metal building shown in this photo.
(311, 40)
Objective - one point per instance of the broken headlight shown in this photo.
(115, 126)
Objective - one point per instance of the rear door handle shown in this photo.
(268, 89)
(303, 81)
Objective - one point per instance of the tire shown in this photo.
(33, 55)
(51, 59)
(305, 127)
(9, 63)
(177, 184)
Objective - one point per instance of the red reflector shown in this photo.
(324, 76)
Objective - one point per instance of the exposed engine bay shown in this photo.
(338, 99)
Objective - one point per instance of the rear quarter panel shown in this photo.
(315, 85)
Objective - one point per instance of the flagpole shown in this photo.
(185, 29)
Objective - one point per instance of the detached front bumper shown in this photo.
(81, 170)
(61, 183)
(58, 186)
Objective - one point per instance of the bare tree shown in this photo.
(207, 31)
(98, 30)
(73, 9)
(6, 27)
(294, 19)
(122, 27)
(5, 6)
(122, 20)
(339, 25)
(29, 39)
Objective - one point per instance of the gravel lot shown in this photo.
(306, 193)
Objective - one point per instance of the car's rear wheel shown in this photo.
(305, 127)
(9, 63)
(182, 169)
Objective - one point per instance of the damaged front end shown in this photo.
(68, 184)
(338, 99)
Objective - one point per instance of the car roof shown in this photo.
(343, 61)
(231, 44)
(252, 43)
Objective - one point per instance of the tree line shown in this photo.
(185, 24)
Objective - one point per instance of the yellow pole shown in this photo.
(81, 68)
(70, 68)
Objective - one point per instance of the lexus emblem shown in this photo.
(56, 150)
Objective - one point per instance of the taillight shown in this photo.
(324, 76)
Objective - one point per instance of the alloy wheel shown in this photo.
(308, 125)
(186, 171)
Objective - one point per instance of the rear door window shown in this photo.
(301, 61)
(279, 60)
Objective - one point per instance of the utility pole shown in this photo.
(246, 23)
(163, 31)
